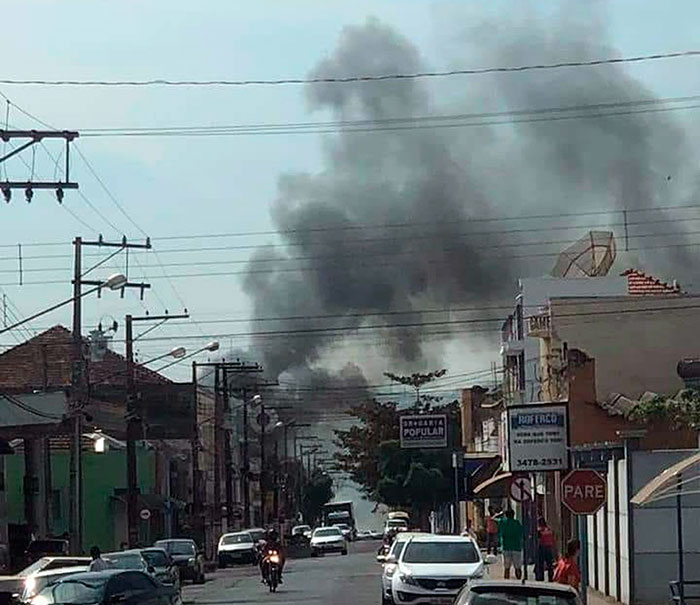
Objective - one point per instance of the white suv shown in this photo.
(431, 570)
(389, 567)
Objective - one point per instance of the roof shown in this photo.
(44, 363)
(641, 284)
(520, 584)
(58, 571)
(440, 538)
(32, 408)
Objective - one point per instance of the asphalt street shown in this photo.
(335, 579)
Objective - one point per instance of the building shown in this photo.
(520, 352)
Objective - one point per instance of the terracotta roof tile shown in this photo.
(641, 284)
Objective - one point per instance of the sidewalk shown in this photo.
(495, 572)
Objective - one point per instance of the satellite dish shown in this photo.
(591, 256)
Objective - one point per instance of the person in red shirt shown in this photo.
(567, 571)
(491, 532)
(545, 551)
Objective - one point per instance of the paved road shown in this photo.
(333, 579)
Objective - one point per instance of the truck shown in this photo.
(340, 512)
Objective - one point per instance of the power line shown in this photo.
(359, 78)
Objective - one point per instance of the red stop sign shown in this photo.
(583, 491)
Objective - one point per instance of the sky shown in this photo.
(170, 187)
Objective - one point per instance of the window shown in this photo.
(499, 596)
(327, 531)
(441, 552)
(157, 558)
(74, 592)
(237, 539)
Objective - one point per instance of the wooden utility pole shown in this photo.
(78, 386)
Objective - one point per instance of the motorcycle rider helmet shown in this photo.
(272, 535)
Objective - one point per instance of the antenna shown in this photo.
(591, 256)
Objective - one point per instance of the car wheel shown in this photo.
(314, 553)
(344, 551)
(386, 600)
(222, 563)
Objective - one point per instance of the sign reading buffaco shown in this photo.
(423, 431)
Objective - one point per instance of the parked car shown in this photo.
(54, 547)
(12, 585)
(36, 582)
(126, 587)
(127, 559)
(258, 533)
(301, 534)
(431, 570)
(188, 558)
(364, 534)
(238, 547)
(328, 539)
(162, 566)
(516, 592)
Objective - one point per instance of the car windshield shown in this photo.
(38, 565)
(342, 526)
(157, 558)
(441, 552)
(237, 539)
(125, 561)
(300, 529)
(258, 534)
(178, 547)
(515, 596)
(396, 523)
(73, 592)
(327, 531)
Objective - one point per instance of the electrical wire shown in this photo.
(358, 78)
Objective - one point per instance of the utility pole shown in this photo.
(263, 494)
(134, 427)
(196, 473)
(77, 401)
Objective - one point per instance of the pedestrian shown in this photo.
(545, 551)
(491, 532)
(567, 571)
(469, 532)
(97, 563)
(510, 532)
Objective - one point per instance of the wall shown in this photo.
(636, 342)
(536, 292)
(102, 475)
(654, 530)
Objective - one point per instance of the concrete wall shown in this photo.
(636, 341)
(654, 530)
(535, 292)
(102, 474)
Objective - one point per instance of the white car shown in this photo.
(328, 539)
(345, 529)
(431, 570)
(389, 567)
(35, 583)
(516, 591)
(237, 547)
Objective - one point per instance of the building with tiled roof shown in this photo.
(642, 284)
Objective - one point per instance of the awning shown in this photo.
(495, 487)
(666, 483)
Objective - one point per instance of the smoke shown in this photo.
(395, 220)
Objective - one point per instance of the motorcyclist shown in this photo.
(272, 542)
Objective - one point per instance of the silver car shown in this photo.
(516, 592)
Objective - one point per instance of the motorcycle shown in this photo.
(271, 569)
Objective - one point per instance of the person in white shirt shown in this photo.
(97, 563)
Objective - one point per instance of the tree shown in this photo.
(681, 410)
(370, 452)
(318, 491)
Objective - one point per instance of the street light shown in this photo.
(211, 347)
(114, 282)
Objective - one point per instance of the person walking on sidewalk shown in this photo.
(491, 532)
(545, 551)
(510, 532)
(567, 571)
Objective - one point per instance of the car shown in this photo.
(162, 566)
(52, 547)
(127, 559)
(345, 529)
(395, 525)
(238, 547)
(35, 583)
(363, 534)
(431, 570)
(10, 585)
(126, 587)
(328, 539)
(187, 557)
(390, 560)
(516, 592)
(258, 533)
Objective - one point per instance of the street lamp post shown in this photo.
(133, 421)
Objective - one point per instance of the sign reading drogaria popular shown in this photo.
(424, 430)
(538, 438)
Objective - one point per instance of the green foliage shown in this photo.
(681, 411)
(370, 452)
(318, 491)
